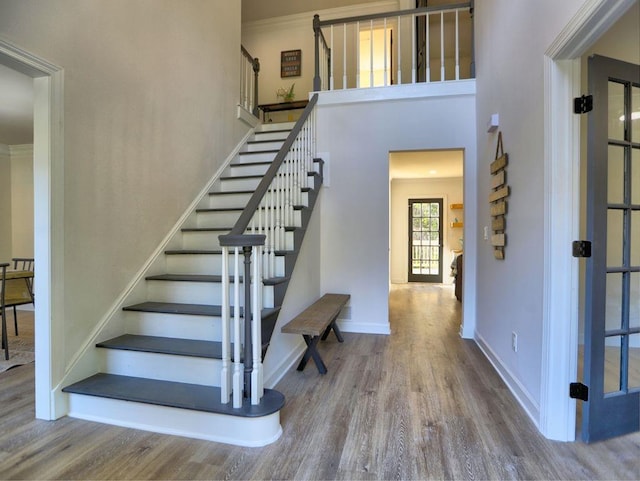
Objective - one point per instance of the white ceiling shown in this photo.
(16, 107)
(425, 164)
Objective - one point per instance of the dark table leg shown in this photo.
(312, 352)
(336, 331)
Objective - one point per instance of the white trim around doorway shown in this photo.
(561, 205)
(48, 154)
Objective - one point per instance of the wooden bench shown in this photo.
(315, 323)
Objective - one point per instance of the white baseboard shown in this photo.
(364, 327)
(521, 394)
(283, 367)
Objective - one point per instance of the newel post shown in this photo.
(317, 83)
(248, 338)
(256, 71)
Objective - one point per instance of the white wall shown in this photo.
(150, 94)
(355, 205)
(5, 203)
(510, 82)
(449, 189)
(22, 200)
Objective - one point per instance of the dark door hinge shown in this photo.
(577, 390)
(582, 105)
(581, 248)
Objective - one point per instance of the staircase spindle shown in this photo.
(260, 232)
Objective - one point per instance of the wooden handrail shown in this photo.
(236, 236)
(396, 13)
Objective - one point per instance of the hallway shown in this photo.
(419, 404)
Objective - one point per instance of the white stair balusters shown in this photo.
(260, 232)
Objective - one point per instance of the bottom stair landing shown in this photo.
(176, 408)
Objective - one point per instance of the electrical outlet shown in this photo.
(486, 232)
(514, 342)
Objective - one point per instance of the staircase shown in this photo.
(164, 373)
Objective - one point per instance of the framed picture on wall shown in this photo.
(290, 63)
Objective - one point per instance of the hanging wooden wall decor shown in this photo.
(497, 200)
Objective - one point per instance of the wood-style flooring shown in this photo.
(418, 404)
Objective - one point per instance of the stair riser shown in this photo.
(228, 201)
(248, 169)
(250, 158)
(197, 293)
(270, 126)
(232, 185)
(208, 264)
(217, 218)
(239, 431)
(211, 241)
(259, 147)
(181, 326)
(271, 136)
(165, 367)
(201, 240)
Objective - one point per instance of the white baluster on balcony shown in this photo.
(237, 344)
(399, 80)
(344, 55)
(442, 47)
(457, 47)
(413, 49)
(427, 54)
(385, 83)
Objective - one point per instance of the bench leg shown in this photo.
(312, 351)
(336, 331)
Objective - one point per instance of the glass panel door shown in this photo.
(612, 311)
(425, 240)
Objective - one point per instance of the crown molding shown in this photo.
(22, 149)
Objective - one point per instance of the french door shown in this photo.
(425, 240)
(612, 298)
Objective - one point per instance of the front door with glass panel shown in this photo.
(425, 240)
(612, 309)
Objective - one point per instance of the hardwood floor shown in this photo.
(419, 404)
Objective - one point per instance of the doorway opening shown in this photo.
(48, 188)
(426, 217)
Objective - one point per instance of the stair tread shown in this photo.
(165, 345)
(206, 229)
(173, 394)
(208, 278)
(235, 177)
(270, 151)
(174, 252)
(220, 209)
(187, 277)
(188, 309)
(232, 192)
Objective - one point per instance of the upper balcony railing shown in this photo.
(249, 70)
(430, 44)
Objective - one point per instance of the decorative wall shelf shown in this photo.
(456, 206)
(457, 224)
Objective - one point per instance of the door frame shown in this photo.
(557, 419)
(48, 158)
